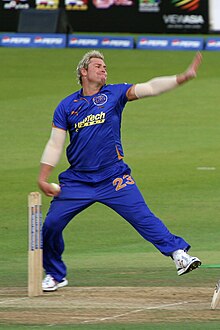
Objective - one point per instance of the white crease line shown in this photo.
(134, 311)
(206, 168)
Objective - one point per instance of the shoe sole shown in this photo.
(194, 264)
(62, 284)
(54, 288)
(57, 286)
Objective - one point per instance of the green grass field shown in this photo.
(168, 141)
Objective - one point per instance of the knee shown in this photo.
(50, 226)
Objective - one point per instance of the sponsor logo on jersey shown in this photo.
(91, 120)
(100, 99)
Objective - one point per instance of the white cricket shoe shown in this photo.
(50, 284)
(184, 262)
(63, 283)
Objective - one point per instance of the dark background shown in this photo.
(124, 19)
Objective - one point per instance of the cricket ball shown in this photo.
(55, 186)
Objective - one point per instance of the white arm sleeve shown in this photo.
(54, 147)
(155, 86)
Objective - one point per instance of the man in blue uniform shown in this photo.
(97, 172)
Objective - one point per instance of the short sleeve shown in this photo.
(60, 117)
(120, 91)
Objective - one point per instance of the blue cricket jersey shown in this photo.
(93, 123)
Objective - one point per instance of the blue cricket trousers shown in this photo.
(120, 194)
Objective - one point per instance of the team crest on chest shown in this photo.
(100, 99)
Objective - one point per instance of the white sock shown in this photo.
(175, 253)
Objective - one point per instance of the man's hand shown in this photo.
(191, 72)
(193, 68)
(48, 189)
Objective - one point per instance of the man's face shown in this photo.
(96, 71)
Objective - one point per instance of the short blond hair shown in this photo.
(84, 63)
